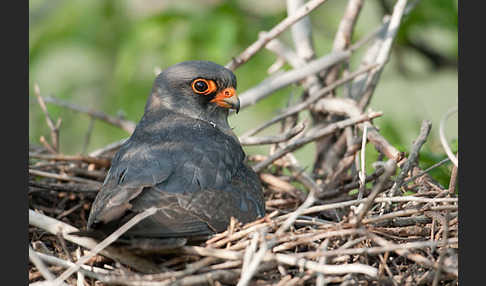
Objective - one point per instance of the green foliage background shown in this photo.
(102, 55)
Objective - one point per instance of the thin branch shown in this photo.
(107, 241)
(53, 127)
(330, 190)
(381, 144)
(249, 252)
(153, 279)
(313, 134)
(443, 139)
(328, 149)
(80, 281)
(438, 164)
(312, 99)
(309, 201)
(63, 187)
(126, 125)
(403, 250)
(253, 265)
(373, 35)
(321, 208)
(87, 137)
(205, 278)
(60, 157)
(112, 147)
(326, 269)
(212, 252)
(301, 31)
(34, 258)
(320, 280)
(407, 212)
(385, 247)
(445, 235)
(302, 37)
(362, 171)
(413, 157)
(286, 53)
(380, 185)
(46, 144)
(380, 52)
(90, 271)
(247, 141)
(276, 66)
(64, 177)
(271, 84)
(453, 180)
(264, 38)
(56, 227)
(308, 182)
(343, 36)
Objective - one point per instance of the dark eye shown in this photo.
(203, 86)
(200, 86)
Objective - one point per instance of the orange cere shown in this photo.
(222, 95)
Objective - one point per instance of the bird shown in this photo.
(184, 159)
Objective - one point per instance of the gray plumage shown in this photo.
(182, 158)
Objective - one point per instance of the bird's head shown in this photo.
(199, 89)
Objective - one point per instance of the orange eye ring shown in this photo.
(203, 86)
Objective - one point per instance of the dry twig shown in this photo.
(443, 139)
(413, 157)
(54, 226)
(126, 125)
(53, 127)
(264, 38)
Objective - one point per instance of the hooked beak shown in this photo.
(227, 98)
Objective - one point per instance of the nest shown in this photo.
(316, 236)
(338, 225)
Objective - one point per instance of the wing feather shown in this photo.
(182, 169)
